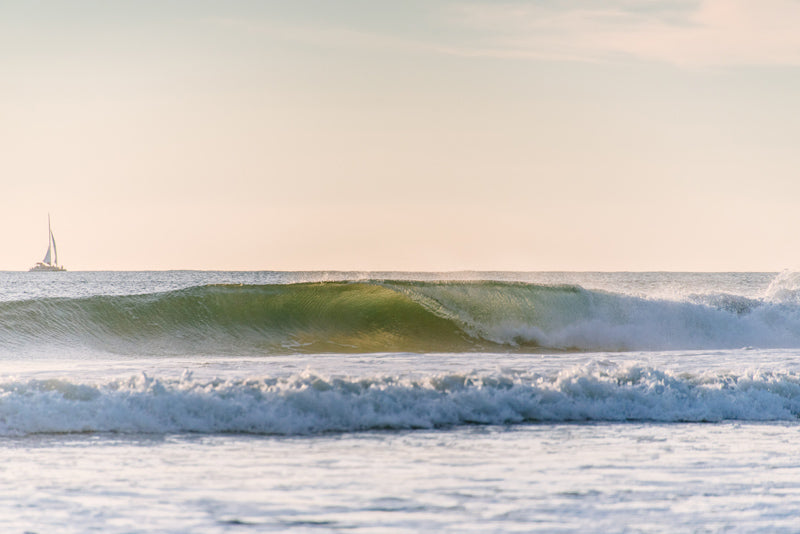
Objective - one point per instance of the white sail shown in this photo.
(46, 259)
(55, 250)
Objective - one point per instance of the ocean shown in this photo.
(382, 402)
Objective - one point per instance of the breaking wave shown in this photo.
(306, 403)
(395, 316)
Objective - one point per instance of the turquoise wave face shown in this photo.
(318, 317)
(392, 316)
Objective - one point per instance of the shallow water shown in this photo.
(546, 478)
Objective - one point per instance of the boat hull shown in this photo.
(47, 268)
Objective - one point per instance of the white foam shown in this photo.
(627, 323)
(306, 403)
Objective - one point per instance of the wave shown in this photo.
(394, 316)
(307, 403)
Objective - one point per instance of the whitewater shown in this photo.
(189, 401)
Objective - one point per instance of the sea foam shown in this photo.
(307, 403)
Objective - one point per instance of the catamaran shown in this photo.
(52, 254)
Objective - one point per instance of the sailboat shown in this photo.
(50, 261)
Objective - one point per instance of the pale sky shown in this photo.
(403, 135)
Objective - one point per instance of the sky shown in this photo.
(417, 135)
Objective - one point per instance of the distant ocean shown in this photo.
(221, 402)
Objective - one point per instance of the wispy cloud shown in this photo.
(690, 33)
(693, 33)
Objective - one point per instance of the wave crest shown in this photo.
(393, 316)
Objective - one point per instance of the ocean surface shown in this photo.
(237, 402)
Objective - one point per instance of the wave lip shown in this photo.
(307, 403)
(393, 316)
